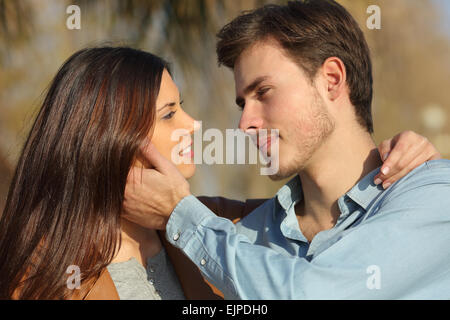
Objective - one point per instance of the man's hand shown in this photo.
(152, 194)
(401, 154)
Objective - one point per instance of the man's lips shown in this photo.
(264, 144)
(262, 139)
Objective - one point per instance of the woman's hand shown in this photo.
(401, 154)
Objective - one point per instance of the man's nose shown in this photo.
(250, 118)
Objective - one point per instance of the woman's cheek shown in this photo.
(162, 142)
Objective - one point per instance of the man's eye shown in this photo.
(262, 91)
(169, 115)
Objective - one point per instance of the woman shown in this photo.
(64, 204)
(63, 210)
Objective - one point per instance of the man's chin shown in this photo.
(281, 174)
(276, 177)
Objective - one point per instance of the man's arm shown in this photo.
(194, 285)
(401, 252)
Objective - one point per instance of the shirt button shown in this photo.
(152, 270)
(203, 262)
(176, 236)
(151, 281)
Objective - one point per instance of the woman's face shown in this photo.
(170, 117)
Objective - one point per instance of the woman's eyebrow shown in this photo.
(169, 104)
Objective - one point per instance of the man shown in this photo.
(330, 232)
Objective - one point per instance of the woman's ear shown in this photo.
(138, 163)
(141, 162)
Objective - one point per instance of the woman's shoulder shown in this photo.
(103, 289)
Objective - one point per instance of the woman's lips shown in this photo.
(188, 151)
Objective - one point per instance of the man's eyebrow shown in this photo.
(252, 86)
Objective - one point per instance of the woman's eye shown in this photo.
(169, 115)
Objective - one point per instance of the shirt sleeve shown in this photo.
(397, 254)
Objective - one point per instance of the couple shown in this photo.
(87, 159)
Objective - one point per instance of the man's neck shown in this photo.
(341, 161)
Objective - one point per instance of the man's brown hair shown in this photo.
(310, 32)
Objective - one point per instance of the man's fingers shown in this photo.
(154, 158)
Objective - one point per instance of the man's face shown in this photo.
(276, 94)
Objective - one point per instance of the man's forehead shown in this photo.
(261, 60)
(259, 52)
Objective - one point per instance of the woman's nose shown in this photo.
(189, 123)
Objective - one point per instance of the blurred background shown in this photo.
(411, 62)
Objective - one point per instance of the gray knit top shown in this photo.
(157, 282)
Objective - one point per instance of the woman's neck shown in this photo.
(137, 242)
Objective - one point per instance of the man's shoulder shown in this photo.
(426, 188)
(431, 174)
(441, 163)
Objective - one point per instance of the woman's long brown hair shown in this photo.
(65, 199)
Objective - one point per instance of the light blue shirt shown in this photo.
(386, 244)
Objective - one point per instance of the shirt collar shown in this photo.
(364, 193)
(290, 193)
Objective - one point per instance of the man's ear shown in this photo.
(334, 73)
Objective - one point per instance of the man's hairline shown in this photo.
(271, 40)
